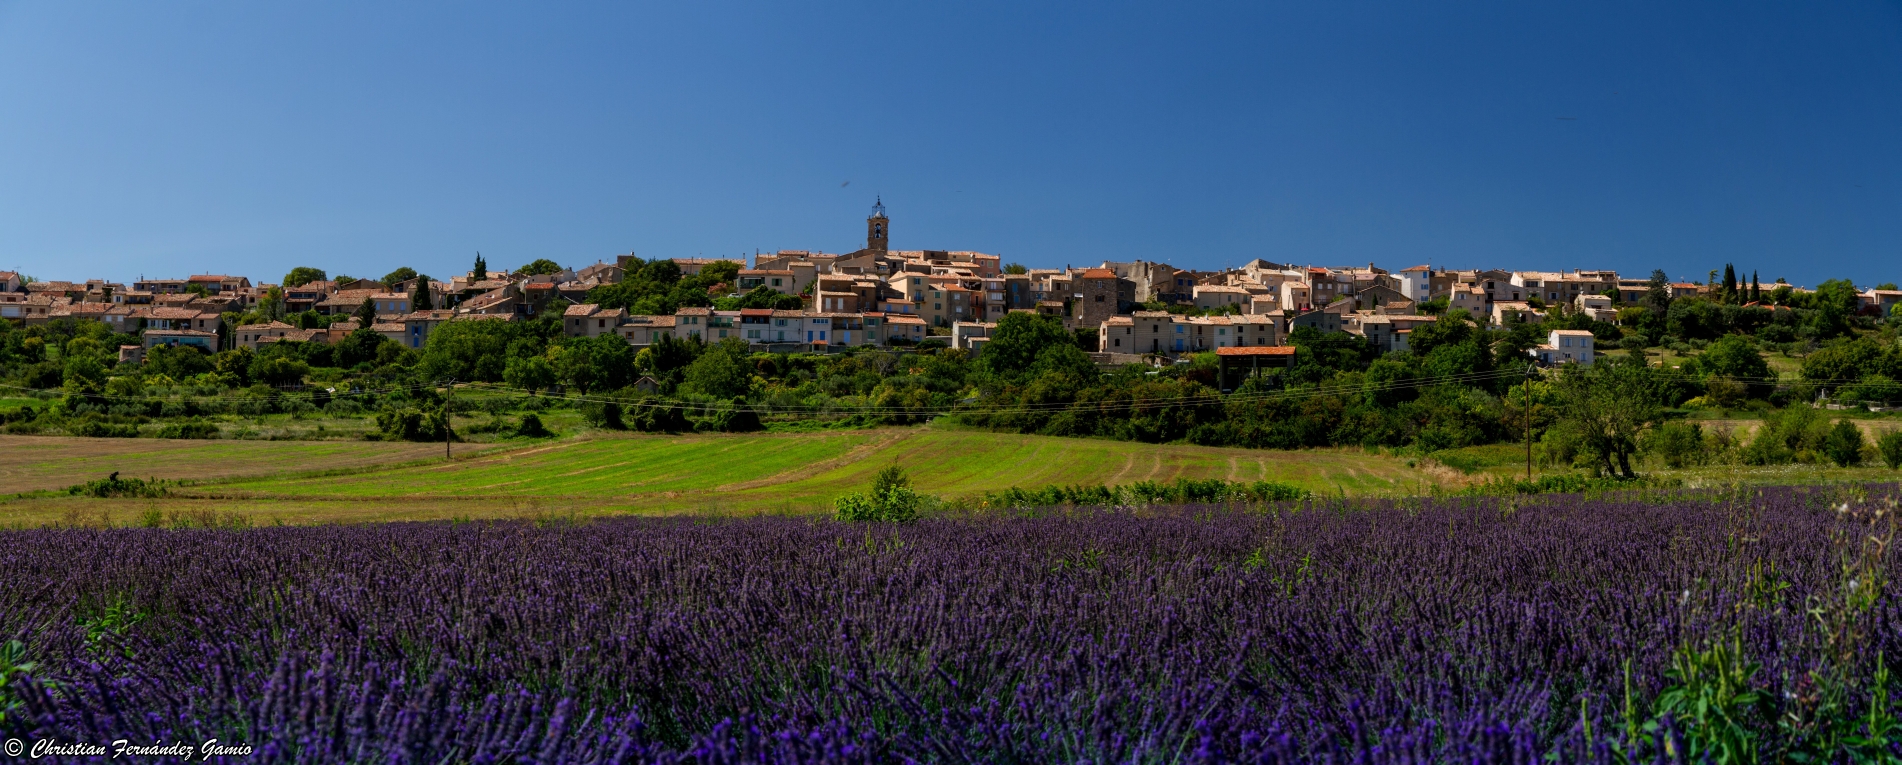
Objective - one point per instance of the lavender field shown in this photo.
(1727, 626)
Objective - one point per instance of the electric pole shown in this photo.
(450, 391)
(1531, 372)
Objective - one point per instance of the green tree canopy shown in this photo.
(531, 373)
(467, 350)
(400, 275)
(1017, 341)
(540, 267)
(1735, 357)
(303, 275)
(365, 313)
(721, 371)
(1608, 404)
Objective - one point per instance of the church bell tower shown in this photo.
(877, 228)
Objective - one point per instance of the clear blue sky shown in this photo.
(173, 138)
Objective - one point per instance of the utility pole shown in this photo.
(445, 418)
(1531, 372)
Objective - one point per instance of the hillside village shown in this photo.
(807, 301)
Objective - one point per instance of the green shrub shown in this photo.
(1843, 445)
(1181, 492)
(189, 429)
(410, 424)
(1890, 447)
(532, 427)
(891, 500)
(604, 414)
(90, 427)
(1677, 443)
(114, 486)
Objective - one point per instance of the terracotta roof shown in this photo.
(580, 309)
(1257, 350)
(1097, 273)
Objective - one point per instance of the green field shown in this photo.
(749, 473)
(775, 470)
(38, 463)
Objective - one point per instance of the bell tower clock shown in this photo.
(877, 228)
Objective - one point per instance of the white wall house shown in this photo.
(1565, 346)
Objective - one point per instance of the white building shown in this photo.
(1565, 346)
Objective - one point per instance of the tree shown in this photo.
(1017, 341)
(1609, 404)
(1657, 294)
(365, 313)
(1730, 283)
(1756, 290)
(1890, 446)
(892, 500)
(468, 350)
(400, 275)
(358, 347)
(279, 370)
(1843, 445)
(271, 305)
(599, 363)
(767, 297)
(1015, 268)
(540, 267)
(531, 374)
(481, 270)
(419, 298)
(1835, 302)
(83, 376)
(235, 366)
(1735, 357)
(303, 275)
(720, 372)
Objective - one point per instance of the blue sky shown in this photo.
(163, 139)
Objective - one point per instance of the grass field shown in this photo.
(36, 463)
(728, 474)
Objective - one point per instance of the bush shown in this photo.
(410, 424)
(1182, 491)
(532, 427)
(1843, 445)
(891, 500)
(1677, 443)
(652, 416)
(733, 418)
(114, 486)
(1890, 447)
(92, 427)
(604, 414)
(189, 429)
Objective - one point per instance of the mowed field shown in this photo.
(725, 474)
(36, 463)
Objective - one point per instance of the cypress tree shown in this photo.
(1730, 282)
(481, 268)
(419, 299)
(1756, 290)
